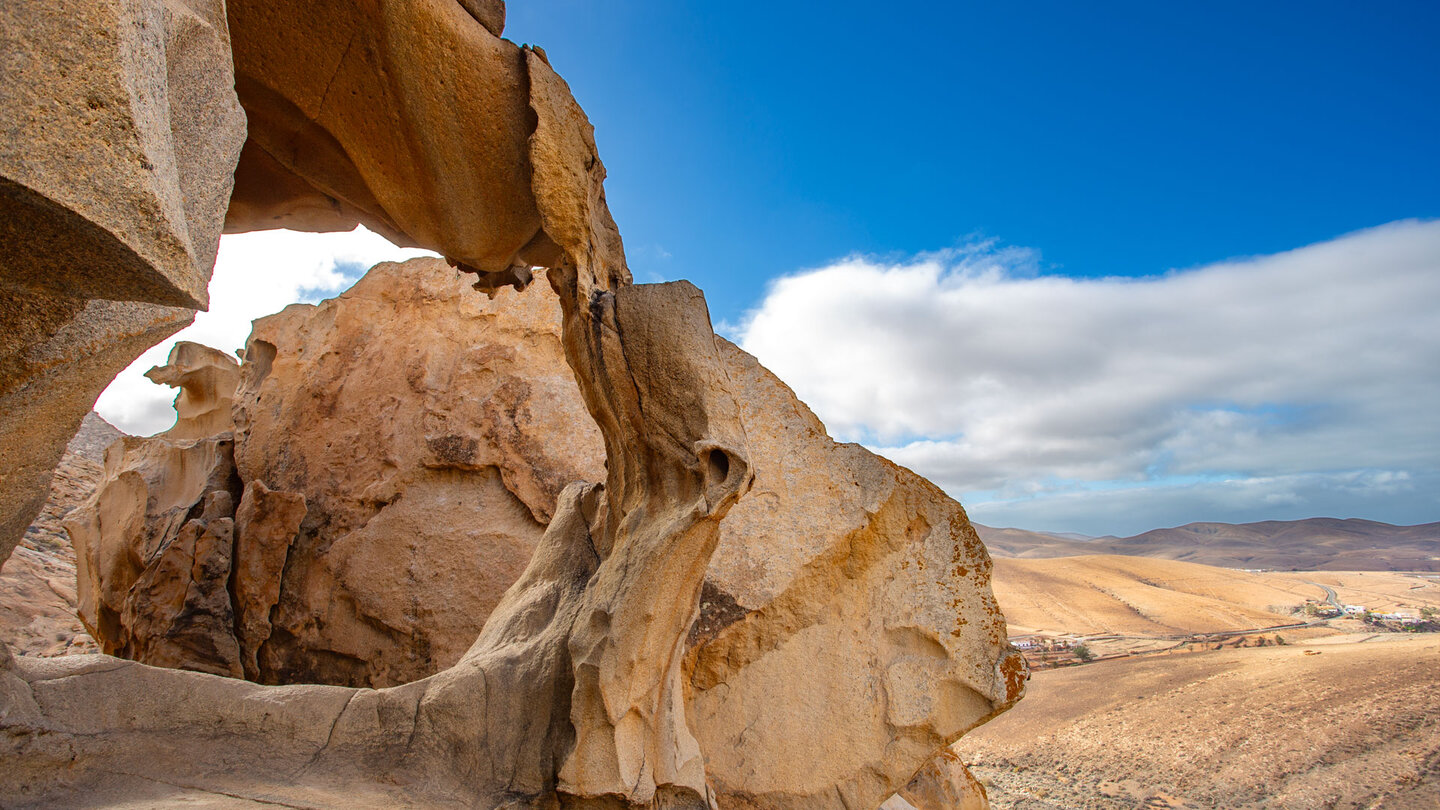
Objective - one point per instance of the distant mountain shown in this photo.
(1070, 535)
(1315, 544)
(1026, 544)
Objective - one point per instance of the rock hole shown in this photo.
(719, 464)
(260, 354)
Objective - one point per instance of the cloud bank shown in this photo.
(256, 274)
(1298, 384)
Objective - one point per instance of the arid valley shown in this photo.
(1204, 693)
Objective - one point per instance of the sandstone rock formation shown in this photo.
(414, 117)
(138, 100)
(56, 355)
(943, 784)
(431, 129)
(841, 583)
(358, 115)
(573, 686)
(430, 431)
(207, 379)
(853, 592)
(154, 545)
(122, 131)
(401, 450)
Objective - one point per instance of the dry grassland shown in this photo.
(1345, 725)
(1143, 596)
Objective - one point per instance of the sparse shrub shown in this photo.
(1082, 652)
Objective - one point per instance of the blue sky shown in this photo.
(748, 140)
(1090, 267)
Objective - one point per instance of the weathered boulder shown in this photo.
(401, 450)
(854, 594)
(430, 431)
(122, 130)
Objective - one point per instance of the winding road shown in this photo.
(1329, 595)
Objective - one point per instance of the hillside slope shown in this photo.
(1346, 725)
(1106, 594)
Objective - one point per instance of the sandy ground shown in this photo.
(1345, 722)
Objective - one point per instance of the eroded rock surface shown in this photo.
(207, 379)
(154, 545)
(126, 125)
(842, 586)
(56, 355)
(367, 114)
(409, 414)
(122, 132)
(583, 687)
(853, 593)
(574, 687)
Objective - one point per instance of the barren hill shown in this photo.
(1026, 544)
(1315, 544)
(1339, 725)
(1106, 594)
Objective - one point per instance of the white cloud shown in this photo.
(256, 274)
(1006, 387)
